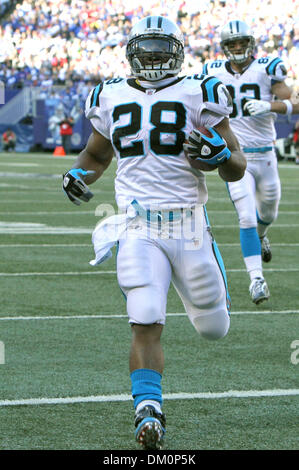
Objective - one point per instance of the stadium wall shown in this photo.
(37, 130)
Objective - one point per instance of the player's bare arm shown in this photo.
(234, 168)
(96, 156)
(287, 103)
(281, 91)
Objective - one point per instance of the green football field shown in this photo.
(65, 338)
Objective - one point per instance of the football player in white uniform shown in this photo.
(145, 121)
(256, 196)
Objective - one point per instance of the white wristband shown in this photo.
(289, 106)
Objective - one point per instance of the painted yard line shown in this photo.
(166, 396)
(35, 201)
(75, 212)
(75, 245)
(49, 191)
(95, 273)
(56, 274)
(225, 200)
(15, 228)
(19, 164)
(41, 156)
(272, 244)
(267, 270)
(28, 201)
(290, 166)
(10, 174)
(125, 316)
(272, 226)
(46, 231)
(283, 166)
(53, 245)
(212, 211)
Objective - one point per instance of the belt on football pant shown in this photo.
(256, 149)
(159, 216)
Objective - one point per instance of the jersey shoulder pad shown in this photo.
(95, 109)
(93, 98)
(212, 88)
(273, 67)
(215, 95)
(102, 90)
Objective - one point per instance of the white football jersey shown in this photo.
(255, 82)
(147, 128)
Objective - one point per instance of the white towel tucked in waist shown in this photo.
(106, 234)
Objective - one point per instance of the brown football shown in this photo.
(198, 165)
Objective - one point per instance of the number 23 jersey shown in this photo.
(147, 128)
(254, 83)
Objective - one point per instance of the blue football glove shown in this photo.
(74, 186)
(212, 150)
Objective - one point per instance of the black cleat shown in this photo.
(266, 249)
(150, 428)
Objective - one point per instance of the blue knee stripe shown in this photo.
(250, 242)
(219, 261)
(260, 221)
(146, 385)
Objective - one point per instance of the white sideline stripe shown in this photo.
(237, 225)
(75, 245)
(46, 231)
(41, 156)
(105, 317)
(34, 201)
(96, 273)
(19, 164)
(57, 213)
(57, 245)
(75, 212)
(27, 229)
(166, 396)
(57, 274)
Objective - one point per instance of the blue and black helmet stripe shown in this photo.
(209, 89)
(236, 25)
(271, 68)
(94, 100)
(149, 22)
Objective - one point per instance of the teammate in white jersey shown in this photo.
(145, 121)
(256, 196)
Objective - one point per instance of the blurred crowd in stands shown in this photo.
(78, 43)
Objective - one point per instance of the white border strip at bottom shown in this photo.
(167, 396)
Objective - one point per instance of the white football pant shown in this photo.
(258, 191)
(146, 266)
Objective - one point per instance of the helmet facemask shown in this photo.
(155, 56)
(247, 50)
